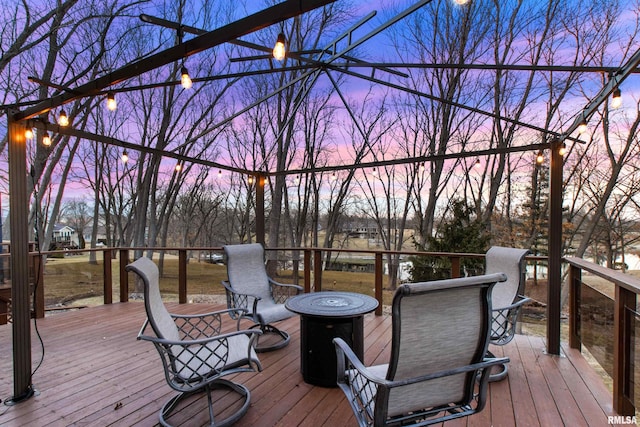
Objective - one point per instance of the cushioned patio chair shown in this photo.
(248, 287)
(195, 352)
(507, 297)
(438, 369)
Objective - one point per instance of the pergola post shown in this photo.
(19, 227)
(554, 290)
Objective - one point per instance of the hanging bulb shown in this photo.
(461, 2)
(582, 127)
(374, 172)
(185, 79)
(250, 179)
(111, 101)
(46, 139)
(616, 100)
(333, 176)
(219, 173)
(540, 157)
(478, 165)
(297, 179)
(125, 156)
(279, 50)
(422, 167)
(63, 119)
(28, 133)
(563, 149)
(178, 167)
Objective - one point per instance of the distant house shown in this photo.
(65, 237)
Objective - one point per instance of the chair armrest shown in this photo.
(521, 301)
(190, 363)
(281, 292)
(237, 300)
(344, 356)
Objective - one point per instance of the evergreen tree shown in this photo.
(461, 233)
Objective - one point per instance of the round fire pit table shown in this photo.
(323, 317)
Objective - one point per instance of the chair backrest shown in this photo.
(509, 261)
(159, 318)
(246, 270)
(438, 326)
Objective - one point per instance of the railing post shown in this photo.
(378, 282)
(575, 281)
(182, 276)
(124, 276)
(622, 363)
(107, 276)
(455, 267)
(38, 270)
(307, 270)
(317, 270)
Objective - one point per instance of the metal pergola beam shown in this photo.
(19, 199)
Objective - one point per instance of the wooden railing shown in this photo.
(627, 288)
(312, 269)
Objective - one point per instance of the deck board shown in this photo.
(95, 373)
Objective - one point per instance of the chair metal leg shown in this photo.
(243, 391)
(500, 375)
(271, 330)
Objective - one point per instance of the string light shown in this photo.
(461, 2)
(111, 101)
(219, 173)
(279, 51)
(333, 177)
(616, 100)
(422, 167)
(46, 139)
(185, 79)
(582, 127)
(374, 172)
(178, 167)
(125, 156)
(540, 157)
(478, 164)
(250, 179)
(28, 133)
(563, 149)
(63, 119)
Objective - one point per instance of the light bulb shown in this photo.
(28, 133)
(374, 172)
(125, 156)
(250, 179)
(111, 101)
(333, 177)
(563, 149)
(616, 100)
(178, 167)
(46, 139)
(279, 51)
(219, 173)
(540, 157)
(63, 119)
(478, 164)
(461, 2)
(185, 79)
(582, 127)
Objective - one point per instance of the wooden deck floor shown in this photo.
(95, 373)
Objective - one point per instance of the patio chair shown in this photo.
(195, 354)
(438, 369)
(248, 287)
(507, 297)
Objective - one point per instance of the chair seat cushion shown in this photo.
(270, 312)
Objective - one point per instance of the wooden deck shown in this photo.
(95, 373)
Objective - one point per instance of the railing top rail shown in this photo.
(626, 281)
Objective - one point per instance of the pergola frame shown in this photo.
(18, 120)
